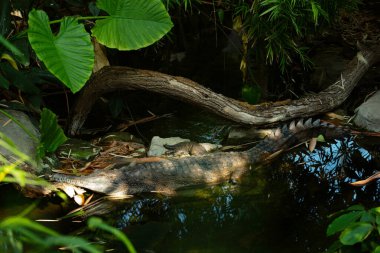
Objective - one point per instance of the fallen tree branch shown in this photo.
(114, 78)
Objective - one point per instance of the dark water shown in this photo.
(280, 207)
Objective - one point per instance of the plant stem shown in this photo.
(78, 18)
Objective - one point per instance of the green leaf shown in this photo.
(21, 57)
(251, 93)
(71, 242)
(355, 233)
(16, 222)
(368, 217)
(4, 83)
(95, 222)
(52, 135)
(334, 247)
(321, 138)
(356, 208)
(23, 80)
(377, 250)
(69, 55)
(375, 210)
(343, 221)
(132, 24)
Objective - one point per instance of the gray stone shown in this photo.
(157, 144)
(368, 114)
(23, 141)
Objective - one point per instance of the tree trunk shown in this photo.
(116, 78)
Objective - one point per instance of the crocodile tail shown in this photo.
(298, 132)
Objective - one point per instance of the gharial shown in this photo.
(167, 175)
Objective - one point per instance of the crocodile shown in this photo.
(166, 175)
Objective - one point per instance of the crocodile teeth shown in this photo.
(300, 124)
(292, 126)
(317, 122)
(324, 124)
(277, 132)
(308, 122)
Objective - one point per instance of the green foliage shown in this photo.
(69, 55)
(97, 223)
(16, 232)
(187, 4)
(131, 24)
(20, 56)
(278, 27)
(52, 135)
(9, 171)
(19, 234)
(251, 93)
(356, 225)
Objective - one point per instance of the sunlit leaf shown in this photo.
(343, 221)
(16, 222)
(69, 55)
(355, 233)
(376, 210)
(131, 24)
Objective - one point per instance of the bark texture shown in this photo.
(115, 78)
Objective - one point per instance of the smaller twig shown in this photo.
(122, 127)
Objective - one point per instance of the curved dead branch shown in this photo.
(114, 78)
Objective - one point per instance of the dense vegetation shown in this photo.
(46, 44)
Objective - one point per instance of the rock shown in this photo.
(178, 146)
(367, 114)
(157, 144)
(23, 141)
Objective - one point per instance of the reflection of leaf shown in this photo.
(131, 24)
(355, 233)
(69, 55)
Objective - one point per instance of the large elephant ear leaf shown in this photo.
(131, 24)
(69, 55)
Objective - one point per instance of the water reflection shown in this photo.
(282, 207)
(278, 208)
